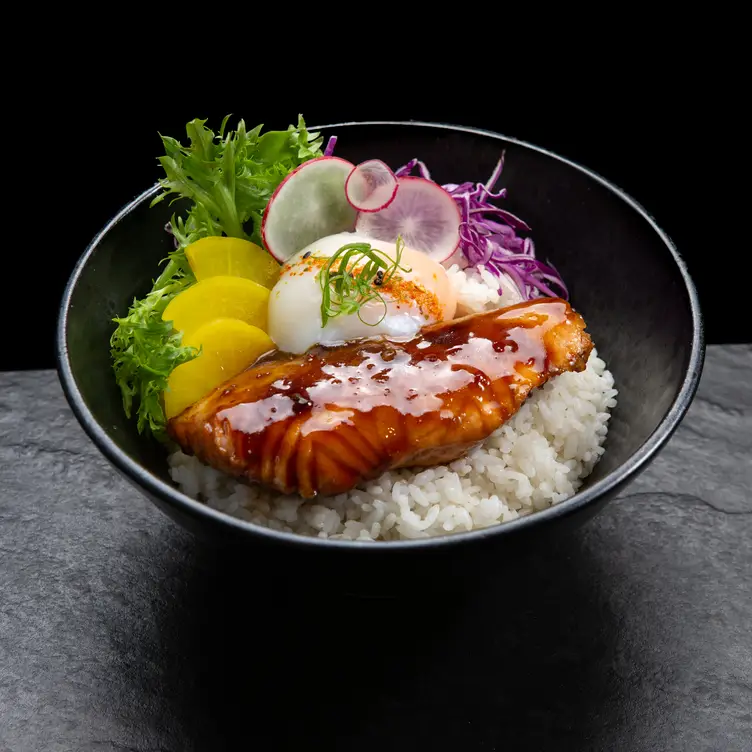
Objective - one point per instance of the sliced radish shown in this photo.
(309, 204)
(371, 186)
(423, 213)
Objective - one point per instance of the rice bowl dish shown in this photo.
(354, 352)
(538, 459)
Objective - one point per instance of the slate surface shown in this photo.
(118, 631)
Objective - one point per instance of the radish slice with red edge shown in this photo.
(423, 213)
(371, 186)
(308, 205)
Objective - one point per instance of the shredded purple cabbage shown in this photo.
(168, 230)
(330, 144)
(488, 236)
(406, 169)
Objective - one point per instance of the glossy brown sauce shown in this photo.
(282, 401)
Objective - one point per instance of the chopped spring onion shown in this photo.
(346, 289)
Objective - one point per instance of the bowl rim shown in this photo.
(152, 485)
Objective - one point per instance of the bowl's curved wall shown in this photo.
(621, 272)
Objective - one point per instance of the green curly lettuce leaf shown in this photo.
(229, 178)
(145, 349)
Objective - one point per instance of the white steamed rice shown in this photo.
(537, 459)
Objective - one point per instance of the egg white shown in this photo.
(295, 301)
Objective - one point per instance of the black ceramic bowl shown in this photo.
(623, 272)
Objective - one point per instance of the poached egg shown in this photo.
(423, 295)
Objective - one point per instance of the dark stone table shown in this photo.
(118, 631)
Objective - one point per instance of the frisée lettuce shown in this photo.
(228, 177)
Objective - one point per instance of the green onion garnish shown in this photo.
(343, 291)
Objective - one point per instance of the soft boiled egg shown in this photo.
(423, 295)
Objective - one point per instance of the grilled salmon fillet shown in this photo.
(322, 422)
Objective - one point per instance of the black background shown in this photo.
(630, 628)
(646, 127)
